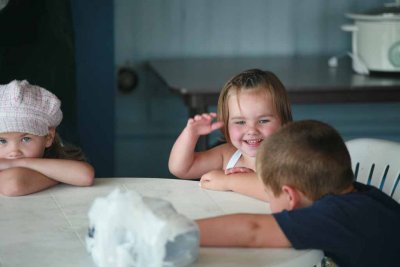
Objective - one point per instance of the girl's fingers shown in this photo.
(197, 117)
(238, 170)
(217, 125)
(206, 116)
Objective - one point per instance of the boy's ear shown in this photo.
(294, 197)
(50, 137)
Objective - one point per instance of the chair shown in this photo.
(376, 162)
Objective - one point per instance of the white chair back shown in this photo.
(376, 162)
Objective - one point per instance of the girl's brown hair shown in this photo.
(255, 79)
(61, 150)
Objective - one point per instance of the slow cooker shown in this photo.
(376, 39)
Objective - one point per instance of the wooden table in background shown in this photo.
(308, 80)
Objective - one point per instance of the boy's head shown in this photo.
(308, 156)
(263, 82)
(27, 108)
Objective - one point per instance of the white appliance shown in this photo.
(376, 39)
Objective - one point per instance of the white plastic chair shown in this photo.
(376, 162)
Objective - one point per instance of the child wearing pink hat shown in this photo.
(32, 155)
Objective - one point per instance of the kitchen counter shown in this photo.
(308, 79)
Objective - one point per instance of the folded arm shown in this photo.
(246, 183)
(61, 170)
(22, 181)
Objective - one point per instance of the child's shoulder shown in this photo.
(364, 200)
(226, 150)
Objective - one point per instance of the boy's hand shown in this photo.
(215, 180)
(238, 170)
(203, 124)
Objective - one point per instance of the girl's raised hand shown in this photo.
(203, 124)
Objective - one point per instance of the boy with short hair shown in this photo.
(306, 170)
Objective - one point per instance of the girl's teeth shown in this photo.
(252, 142)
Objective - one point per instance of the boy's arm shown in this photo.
(61, 170)
(244, 183)
(184, 162)
(23, 181)
(241, 230)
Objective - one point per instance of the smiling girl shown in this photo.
(251, 106)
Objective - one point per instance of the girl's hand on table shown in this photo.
(215, 180)
(238, 170)
(240, 180)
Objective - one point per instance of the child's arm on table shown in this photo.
(62, 170)
(22, 181)
(184, 162)
(246, 183)
(241, 230)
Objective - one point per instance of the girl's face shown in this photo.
(252, 118)
(22, 145)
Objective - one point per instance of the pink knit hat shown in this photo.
(27, 108)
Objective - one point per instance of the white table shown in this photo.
(49, 228)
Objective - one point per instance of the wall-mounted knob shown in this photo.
(127, 79)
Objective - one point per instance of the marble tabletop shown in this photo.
(49, 228)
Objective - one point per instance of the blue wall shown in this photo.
(95, 75)
(149, 119)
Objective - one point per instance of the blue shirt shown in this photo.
(361, 228)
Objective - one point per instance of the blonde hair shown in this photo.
(308, 155)
(254, 79)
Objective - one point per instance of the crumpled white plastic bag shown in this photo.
(127, 229)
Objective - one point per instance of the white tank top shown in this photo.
(234, 159)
